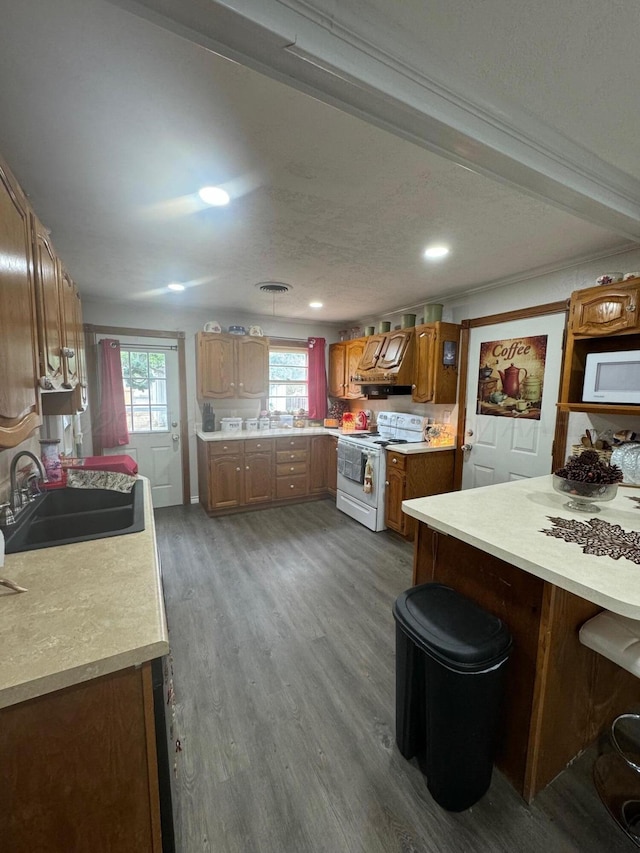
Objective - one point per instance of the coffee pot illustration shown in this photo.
(511, 380)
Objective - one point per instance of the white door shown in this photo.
(151, 380)
(511, 399)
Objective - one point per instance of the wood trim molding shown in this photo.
(562, 420)
(91, 333)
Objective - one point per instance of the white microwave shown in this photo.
(612, 377)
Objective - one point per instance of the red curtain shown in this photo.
(113, 415)
(317, 379)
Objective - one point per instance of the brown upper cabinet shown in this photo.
(606, 310)
(232, 365)
(601, 319)
(436, 363)
(73, 396)
(19, 398)
(50, 334)
(344, 358)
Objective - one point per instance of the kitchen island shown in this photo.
(488, 544)
(77, 734)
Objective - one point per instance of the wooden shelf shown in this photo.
(600, 408)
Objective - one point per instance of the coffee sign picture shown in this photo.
(511, 377)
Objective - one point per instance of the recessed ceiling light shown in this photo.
(315, 305)
(436, 252)
(214, 196)
(175, 286)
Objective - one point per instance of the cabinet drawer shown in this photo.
(286, 469)
(225, 448)
(258, 445)
(291, 456)
(291, 487)
(292, 443)
(396, 460)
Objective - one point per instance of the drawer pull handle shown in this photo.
(292, 468)
(393, 459)
(258, 445)
(386, 482)
(246, 467)
(292, 486)
(237, 469)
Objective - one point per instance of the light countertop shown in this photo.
(91, 608)
(506, 519)
(236, 435)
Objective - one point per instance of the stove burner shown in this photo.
(398, 441)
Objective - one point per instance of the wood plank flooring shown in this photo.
(283, 646)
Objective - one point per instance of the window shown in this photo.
(144, 375)
(288, 379)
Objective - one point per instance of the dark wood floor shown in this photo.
(283, 645)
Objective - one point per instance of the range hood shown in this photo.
(375, 392)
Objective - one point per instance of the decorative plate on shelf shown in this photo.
(213, 326)
(256, 331)
(627, 458)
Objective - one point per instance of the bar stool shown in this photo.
(617, 775)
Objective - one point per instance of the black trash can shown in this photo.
(450, 665)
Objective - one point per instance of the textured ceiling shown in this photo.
(111, 124)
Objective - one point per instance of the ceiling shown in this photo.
(111, 123)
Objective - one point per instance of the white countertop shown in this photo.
(236, 435)
(506, 519)
(91, 608)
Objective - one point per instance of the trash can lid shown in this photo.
(452, 628)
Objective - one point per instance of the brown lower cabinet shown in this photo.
(240, 473)
(414, 475)
(79, 769)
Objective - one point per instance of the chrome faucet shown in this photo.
(16, 495)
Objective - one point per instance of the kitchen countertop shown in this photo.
(236, 435)
(506, 519)
(91, 608)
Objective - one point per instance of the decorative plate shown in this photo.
(256, 331)
(213, 326)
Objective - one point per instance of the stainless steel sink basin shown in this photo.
(64, 516)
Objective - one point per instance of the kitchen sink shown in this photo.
(64, 516)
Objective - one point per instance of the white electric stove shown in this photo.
(355, 449)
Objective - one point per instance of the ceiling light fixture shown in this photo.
(434, 252)
(176, 287)
(315, 305)
(215, 196)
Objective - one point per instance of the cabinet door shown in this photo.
(337, 371)
(225, 481)
(216, 370)
(47, 283)
(352, 359)
(68, 318)
(606, 311)
(423, 387)
(393, 497)
(395, 346)
(19, 399)
(252, 367)
(371, 351)
(258, 477)
(319, 464)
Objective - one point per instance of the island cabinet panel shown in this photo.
(79, 770)
(559, 694)
(19, 398)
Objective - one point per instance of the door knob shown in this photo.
(175, 437)
(466, 447)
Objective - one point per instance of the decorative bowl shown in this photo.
(609, 278)
(237, 330)
(584, 496)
